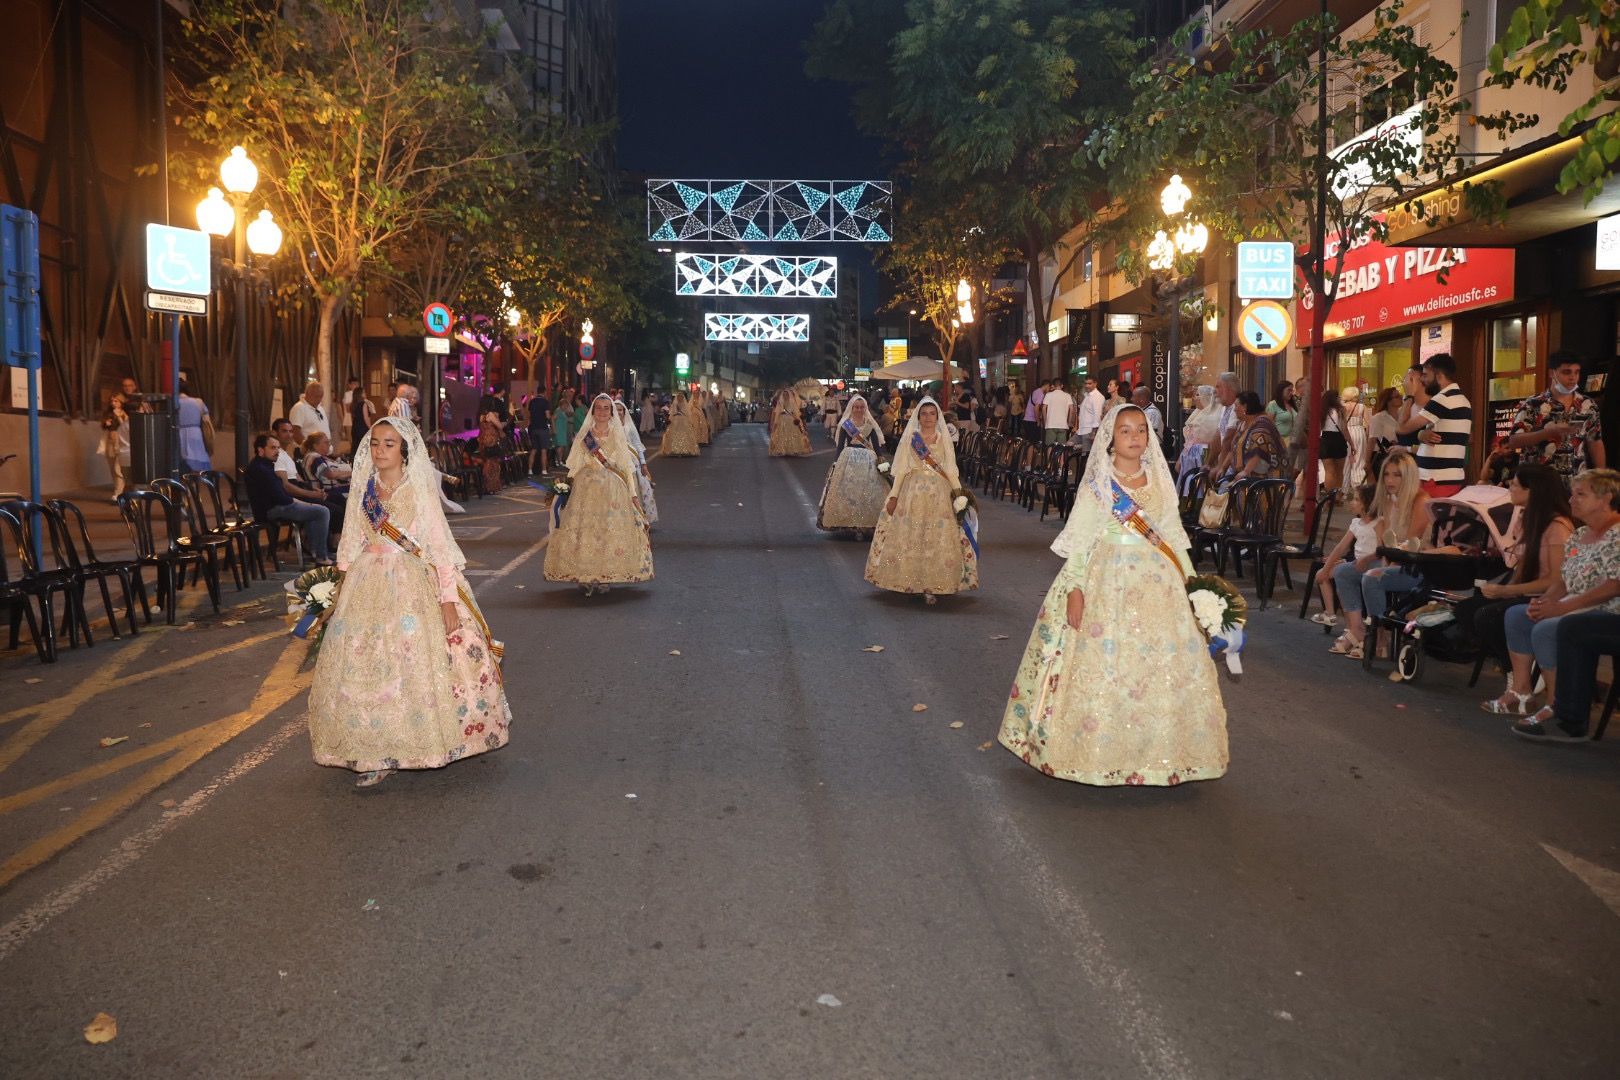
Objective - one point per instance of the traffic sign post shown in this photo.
(1265, 328)
(1265, 270)
(178, 261)
(19, 324)
(436, 317)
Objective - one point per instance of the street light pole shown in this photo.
(244, 416)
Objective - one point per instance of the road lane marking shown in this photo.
(132, 850)
(284, 682)
(135, 678)
(1088, 947)
(1600, 879)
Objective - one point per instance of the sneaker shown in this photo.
(1540, 728)
(1324, 618)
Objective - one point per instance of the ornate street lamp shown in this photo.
(221, 214)
(1184, 238)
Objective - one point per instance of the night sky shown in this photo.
(716, 89)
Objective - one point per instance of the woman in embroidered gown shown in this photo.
(788, 437)
(1117, 685)
(601, 537)
(855, 492)
(407, 675)
(680, 437)
(919, 546)
(700, 418)
(644, 484)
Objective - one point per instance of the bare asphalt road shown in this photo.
(754, 859)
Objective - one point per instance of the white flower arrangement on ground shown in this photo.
(1221, 612)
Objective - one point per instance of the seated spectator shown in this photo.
(1588, 585)
(272, 501)
(1536, 554)
(328, 474)
(300, 486)
(1353, 555)
(1255, 449)
(1402, 511)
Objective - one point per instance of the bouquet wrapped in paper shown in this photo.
(310, 599)
(1221, 612)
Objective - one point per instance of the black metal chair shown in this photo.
(225, 517)
(16, 596)
(213, 546)
(47, 571)
(155, 523)
(1315, 549)
(87, 565)
(1265, 512)
(1061, 489)
(1207, 538)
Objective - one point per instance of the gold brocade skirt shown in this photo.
(600, 539)
(921, 547)
(854, 494)
(390, 690)
(700, 425)
(680, 438)
(789, 440)
(1132, 697)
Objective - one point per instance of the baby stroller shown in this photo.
(1469, 531)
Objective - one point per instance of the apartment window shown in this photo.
(1086, 254)
(1502, 15)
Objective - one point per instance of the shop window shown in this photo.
(1375, 365)
(1514, 364)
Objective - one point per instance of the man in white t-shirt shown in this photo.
(1091, 412)
(1058, 414)
(307, 415)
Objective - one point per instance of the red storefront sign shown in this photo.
(1383, 288)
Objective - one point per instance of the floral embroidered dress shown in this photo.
(854, 494)
(390, 690)
(680, 437)
(788, 437)
(700, 423)
(1132, 697)
(921, 547)
(600, 538)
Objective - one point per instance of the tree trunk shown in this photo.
(1036, 287)
(325, 371)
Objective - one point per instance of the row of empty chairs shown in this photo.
(1011, 467)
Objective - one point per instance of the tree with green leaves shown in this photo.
(1255, 141)
(369, 119)
(1546, 43)
(992, 96)
(938, 243)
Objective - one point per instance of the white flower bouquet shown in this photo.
(963, 503)
(1221, 613)
(886, 471)
(310, 599)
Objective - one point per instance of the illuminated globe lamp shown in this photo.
(264, 235)
(214, 215)
(241, 176)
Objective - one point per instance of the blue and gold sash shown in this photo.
(377, 514)
(1129, 514)
(853, 432)
(969, 520)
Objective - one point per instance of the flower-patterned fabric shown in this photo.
(788, 439)
(854, 493)
(601, 539)
(1567, 456)
(921, 547)
(1588, 565)
(1132, 697)
(390, 690)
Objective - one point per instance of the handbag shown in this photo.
(1212, 513)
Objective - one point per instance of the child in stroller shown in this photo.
(1468, 546)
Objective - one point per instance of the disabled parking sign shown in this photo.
(177, 260)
